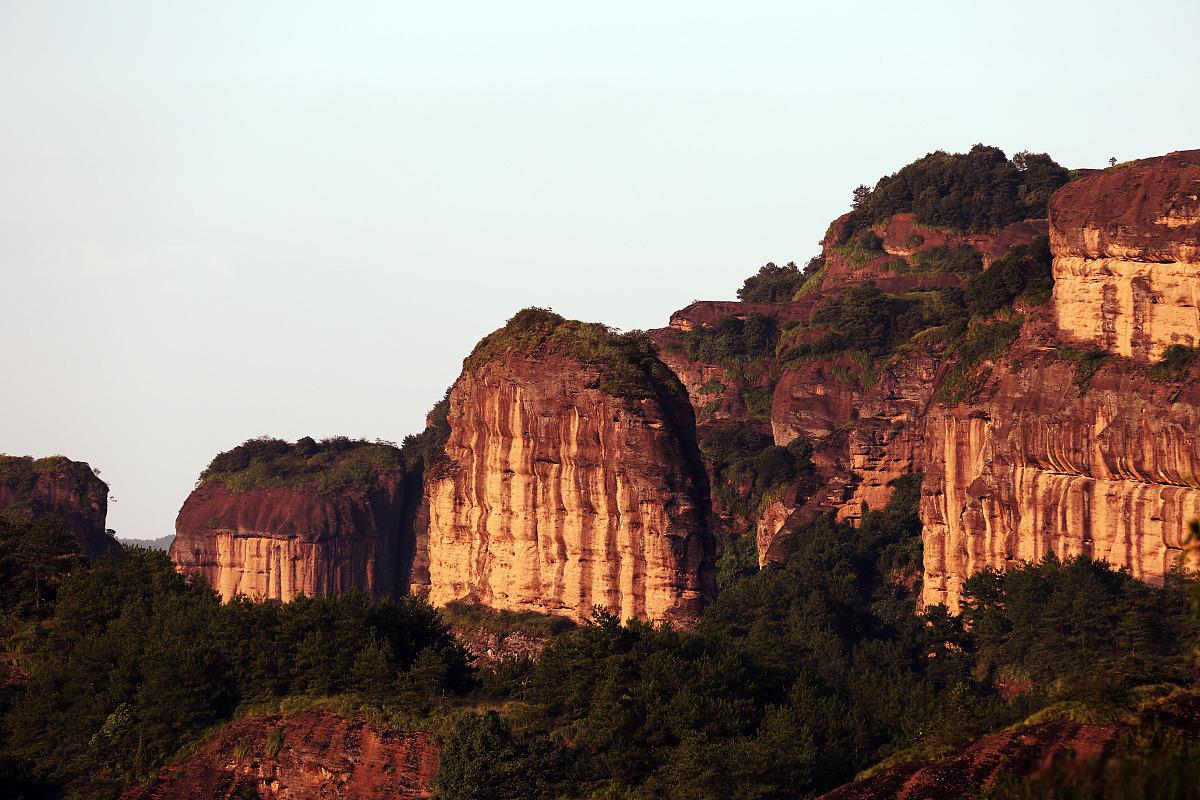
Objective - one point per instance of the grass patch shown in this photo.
(627, 362)
(983, 342)
(1175, 364)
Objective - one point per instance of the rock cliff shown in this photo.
(1042, 462)
(271, 521)
(61, 489)
(1052, 458)
(570, 479)
(1126, 245)
(310, 756)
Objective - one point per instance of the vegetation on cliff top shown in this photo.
(628, 363)
(20, 473)
(335, 464)
(978, 191)
(775, 284)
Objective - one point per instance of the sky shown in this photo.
(221, 220)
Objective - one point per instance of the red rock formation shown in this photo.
(556, 495)
(1024, 752)
(895, 234)
(311, 756)
(1038, 464)
(275, 543)
(1126, 245)
(61, 489)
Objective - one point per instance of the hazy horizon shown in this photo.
(222, 221)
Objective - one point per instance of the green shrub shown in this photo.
(1175, 364)
(1024, 272)
(983, 341)
(627, 362)
(772, 284)
(942, 260)
(913, 241)
(733, 339)
(976, 191)
(1087, 363)
(861, 248)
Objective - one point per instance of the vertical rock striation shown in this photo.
(1126, 245)
(1047, 461)
(285, 522)
(570, 479)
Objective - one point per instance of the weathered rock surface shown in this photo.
(1038, 466)
(60, 489)
(276, 543)
(314, 756)
(869, 432)
(556, 496)
(1126, 245)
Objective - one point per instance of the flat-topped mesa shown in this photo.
(1126, 245)
(60, 489)
(571, 479)
(272, 520)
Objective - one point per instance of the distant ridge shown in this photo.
(161, 543)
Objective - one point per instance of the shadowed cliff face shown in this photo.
(1126, 247)
(555, 496)
(311, 756)
(61, 489)
(278, 542)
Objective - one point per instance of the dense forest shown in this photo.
(797, 678)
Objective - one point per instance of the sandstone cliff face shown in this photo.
(1037, 467)
(1039, 464)
(1126, 245)
(61, 489)
(554, 496)
(276, 543)
(318, 756)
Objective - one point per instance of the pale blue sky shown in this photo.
(226, 219)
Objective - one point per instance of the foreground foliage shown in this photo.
(134, 662)
(799, 677)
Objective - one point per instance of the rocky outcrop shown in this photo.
(309, 756)
(570, 479)
(1044, 465)
(315, 536)
(867, 430)
(1047, 461)
(902, 237)
(59, 489)
(1028, 751)
(1126, 245)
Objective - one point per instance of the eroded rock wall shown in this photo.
(1044, 462)
(1126, 245)
(274, 544)
(1042, 466)
(554, 496)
